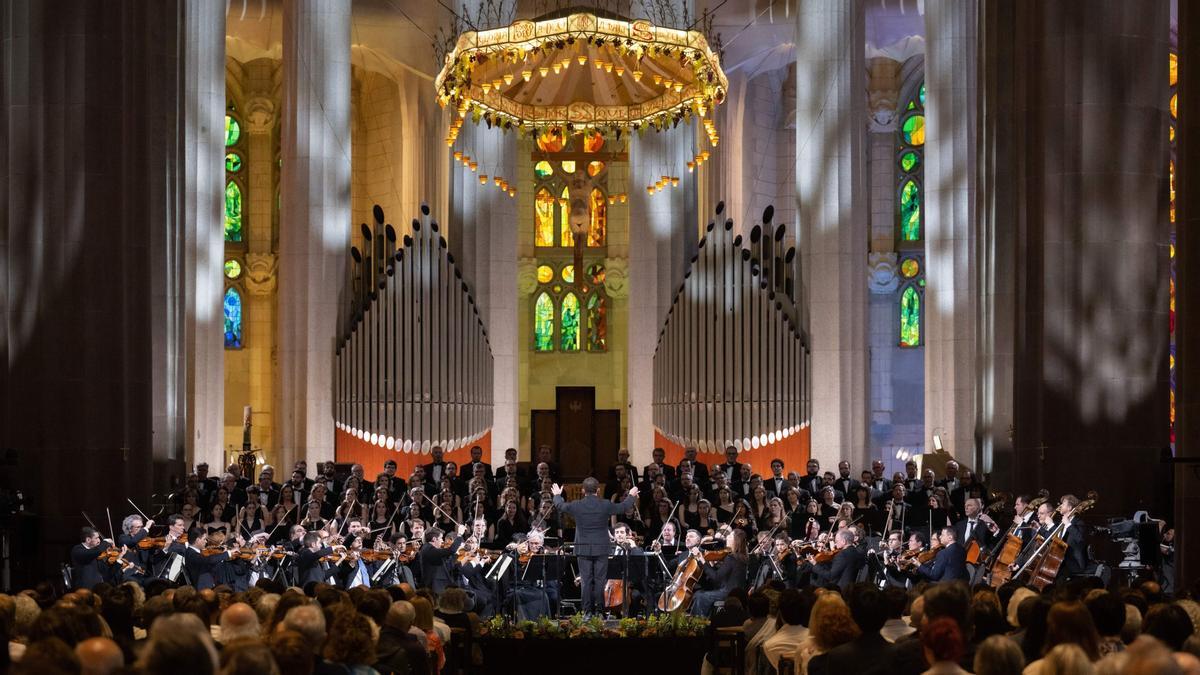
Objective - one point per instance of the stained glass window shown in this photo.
(233, 269)
(597, 323)
(233, 162)
(599, 225)
(570, 323)
(568, 274)
(909, 268)
(910, 211)
(543, 228)
(233, 212)
(568, 166)
(908, 161)
(592, 141)
(233, 131)
(568, 239)
(910, 317)
(233, 319)
(544, 274)
(543, 169)
(543, 323)
(596, 274)
(551, 141)
(914, 130)
(594, 168)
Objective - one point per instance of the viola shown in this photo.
(159, 542)
(826, 556)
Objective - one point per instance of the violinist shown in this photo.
(134, 530)
(724, 576)
(201, 565)
(841, 566)
(436, 558)
(893, 552)
(470, 573)
(537, 585)
(950, 563)
(353, 570)
(86, 570)
(310, 566)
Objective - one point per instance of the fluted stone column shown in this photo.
(830, 188)
(951, 44)
(315, 219)
(1091, 378)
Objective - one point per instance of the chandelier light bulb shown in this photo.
(557, 68)
(582, 59)
(483, 179)
(508, 78)
(486, 87)
(544, 71)
(620, 71)
(526, 74)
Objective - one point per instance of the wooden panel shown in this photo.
(606, 433)
(574, 448)
(543, 430)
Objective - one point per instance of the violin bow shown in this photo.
(440, 510)
(135, 508)
(112, 533)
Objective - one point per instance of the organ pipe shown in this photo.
(731, 363)
(413, 362)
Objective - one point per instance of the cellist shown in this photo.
(1073, 532)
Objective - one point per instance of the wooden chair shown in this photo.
(458, 656)
(731, 646)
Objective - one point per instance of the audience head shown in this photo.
(792, 607)
(247, 656)
(292, 652)
(830, 623)
(942, 640)
(239, 620)
(99, 656)
(1071, 623)
(868, 607)
(309, 621)
(998, 655)
(1169, 623)
(949, 600)
(179, 644)
(350, 641)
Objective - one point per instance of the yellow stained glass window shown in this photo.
(568, 239)
(568, 274)
(599, 225)
(568, 166)
(592, 141)
(543, 169)
(544, 274)
(543, 210)
(551, 141)
(594, 168)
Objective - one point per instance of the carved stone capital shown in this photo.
(261, 274)
(526, 276)
(259, 114)
(881, 272)
(616, 277)
(883, 92)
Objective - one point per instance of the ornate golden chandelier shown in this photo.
(581, 71)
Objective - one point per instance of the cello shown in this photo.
(1047, 558)
(1010, 547)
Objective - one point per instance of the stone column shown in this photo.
(260, 275)
(950, 86)
(830, 180)
(1091, 382)
(315, 220)
(1187, 299)
(496, 221)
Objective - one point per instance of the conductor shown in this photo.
(592, 543)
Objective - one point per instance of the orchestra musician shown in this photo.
(86, 567)
(842, 568)
(436, 558)
(310, 568)
(950, 563)
(724, 576)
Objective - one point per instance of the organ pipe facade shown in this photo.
(413, 363)
(732, 363)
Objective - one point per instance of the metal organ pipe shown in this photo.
(731, 363)
(414, 363)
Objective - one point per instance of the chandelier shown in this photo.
(581, 71)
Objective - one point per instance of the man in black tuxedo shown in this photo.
(844, 483)
(592, 544)
(811, 480)
(86, 571)
(659, 456)
(201, 569)
(950, 564)
(206, 485)
(911, 482)
(546, 456)
(879, 482)
(1073, 532)
(868, 654)
(630, 469)
(951, 481)
(309, 567)
(776, 485)
(268, 491)
(977, 526)
(969, 489)
(477, 460)
(731, 468)
(699, 469)
(510, 468)
(436, 559)
(844, 568)
(435, 469)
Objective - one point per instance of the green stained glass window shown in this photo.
(910, 211)
(233, 212)
(543, 169)
(233, 319)
(912, 105)
(596, 273)
(570, 323)
(921, 95)
(568, 274)
(233, 162)
(233, 269)
(909, 161)
(913, 130)
(910, 318)
(233, 131)
(543, 323)
(597, 323)
(909, 268)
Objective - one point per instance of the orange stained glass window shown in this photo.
(599, 225)
(543, 209)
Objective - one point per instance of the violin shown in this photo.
(826, 556)
(159, 542)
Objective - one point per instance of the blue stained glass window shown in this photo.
(233, 319)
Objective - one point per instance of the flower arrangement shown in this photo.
(578, 626)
